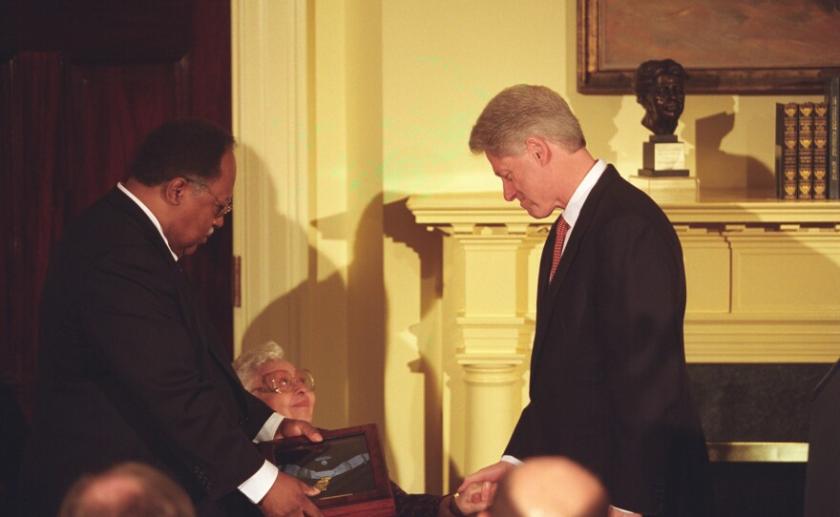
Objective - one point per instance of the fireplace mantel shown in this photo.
(763, 275)
(763, 286)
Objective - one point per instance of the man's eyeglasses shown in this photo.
(282, 381)
(222, 209)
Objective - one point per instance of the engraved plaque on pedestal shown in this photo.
(663, 155)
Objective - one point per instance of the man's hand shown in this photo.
(475, 497)
(493, 474)
(289, 496)
(290, 427)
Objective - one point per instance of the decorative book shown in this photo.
(805, 178)
(832, 99)
(787, 132)
(820, 148)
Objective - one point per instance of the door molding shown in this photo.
(271, 208)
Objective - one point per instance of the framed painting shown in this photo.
(726, 46)
(348, 467)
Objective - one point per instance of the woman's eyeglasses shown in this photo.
(282, 381)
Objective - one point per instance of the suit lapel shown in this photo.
(148, 230)
(204, 337)
(587, 214)
(584, 221)
(190, 311)
(179, 277)
(548, 292)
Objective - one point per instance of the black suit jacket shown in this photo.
(608, 376)
(130, 368)
(822, 481)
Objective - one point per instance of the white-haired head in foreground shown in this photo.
(549, 486)
(126, 490)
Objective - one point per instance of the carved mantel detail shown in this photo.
(763, 276)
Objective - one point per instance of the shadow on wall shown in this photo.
(347, 322)
(328, 367)
(428, 245)
(400, 226)
(717, 168)
(367, 312)
(320, 338)
(346, 351)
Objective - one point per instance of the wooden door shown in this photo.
(81, 82)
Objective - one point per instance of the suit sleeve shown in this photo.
(136, 317)
(521, 442)
(642, 317)
(258, 414)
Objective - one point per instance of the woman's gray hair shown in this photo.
(249, 361)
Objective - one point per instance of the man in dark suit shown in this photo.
(608, 377)
(130, 367)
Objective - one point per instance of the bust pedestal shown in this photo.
(663, 156)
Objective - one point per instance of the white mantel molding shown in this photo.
(763, 275)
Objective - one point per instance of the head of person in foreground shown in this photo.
(126, 490)
(549, 486)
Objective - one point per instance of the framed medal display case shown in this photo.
(348, 467)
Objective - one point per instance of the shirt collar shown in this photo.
(573, 207)
(150, 215)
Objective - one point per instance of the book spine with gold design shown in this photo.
(833, 165)
(787, 139)
(820, 189)
(805, 178)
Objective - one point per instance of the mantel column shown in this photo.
(491, 259)
(495, 331)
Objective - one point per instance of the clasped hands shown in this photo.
(478, 489)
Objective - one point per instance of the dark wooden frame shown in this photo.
(591, 78)
(376, 502)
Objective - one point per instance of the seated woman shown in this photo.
(291, 392)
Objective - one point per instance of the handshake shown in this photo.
(540, 486)
(478, 490)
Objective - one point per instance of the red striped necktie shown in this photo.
(562, 228)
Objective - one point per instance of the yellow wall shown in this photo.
(393, 89)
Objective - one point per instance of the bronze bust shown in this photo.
(659, 89)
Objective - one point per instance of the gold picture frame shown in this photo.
(726, 46)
